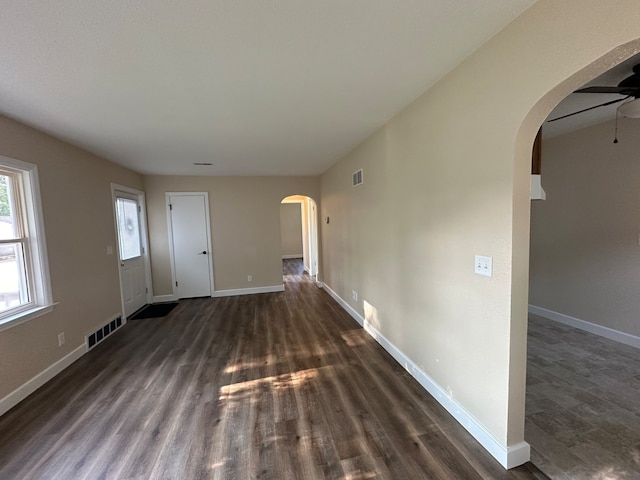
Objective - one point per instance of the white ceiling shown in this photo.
(579, 101)
(257, 87)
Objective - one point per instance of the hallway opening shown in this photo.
(299, 233)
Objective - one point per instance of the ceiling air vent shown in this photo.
(356, 178)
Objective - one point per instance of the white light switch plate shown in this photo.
(483, 266)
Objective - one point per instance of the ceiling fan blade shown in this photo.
(619, 90)
(618, 100)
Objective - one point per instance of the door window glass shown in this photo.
(128, 228)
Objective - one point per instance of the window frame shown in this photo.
(25, 195)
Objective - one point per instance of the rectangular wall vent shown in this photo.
(356, 178)
(103, 332)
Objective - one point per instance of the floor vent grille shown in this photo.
(103, 332)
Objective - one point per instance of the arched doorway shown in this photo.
(299, 232)
(582, 295)
(522, 231)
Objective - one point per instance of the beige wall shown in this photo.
(585, 252)
(448, 178)
(79, 224)
(291, 229)
(245, 226)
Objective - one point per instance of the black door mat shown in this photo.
(154, 311)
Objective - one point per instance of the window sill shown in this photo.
(25, 316)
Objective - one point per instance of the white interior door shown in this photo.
(131, 252)
(191, 244)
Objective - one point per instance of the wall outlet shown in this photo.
(483, 266)
(354, 295)
(109, 249)
(61, 339)
(249, 278)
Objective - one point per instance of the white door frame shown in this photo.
(144, 236)
(207, 215)
(312, 217)
(311, 228)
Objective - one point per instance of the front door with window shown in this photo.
(130, 249)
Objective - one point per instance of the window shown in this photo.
(24, 277)
(128, 228)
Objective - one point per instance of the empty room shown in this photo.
(582, 375)
(287, 240)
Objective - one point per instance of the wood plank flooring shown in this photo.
(583, 404)
(273, 386)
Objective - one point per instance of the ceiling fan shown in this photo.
(629, 87)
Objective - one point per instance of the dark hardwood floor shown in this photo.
(583, 408)
(272, 386)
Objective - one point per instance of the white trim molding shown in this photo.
(594, 328)
(295, 255)
(509, 456)
(248, 291)
(226, 293)
(25, 316)
(164, 298)
(23, 391)
(30, 234)
(349, 309)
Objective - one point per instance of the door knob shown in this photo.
(204, 252)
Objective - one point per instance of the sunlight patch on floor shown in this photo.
(286, 380)
(355, 338)
(360, 475)
(248, 365)
(612, 473)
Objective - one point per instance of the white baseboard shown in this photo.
(508, 456)
(248, 291)
(295, 255)
(227, 293)
(594, 328)
(164, 298)
(349, 309)
(22, 392)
